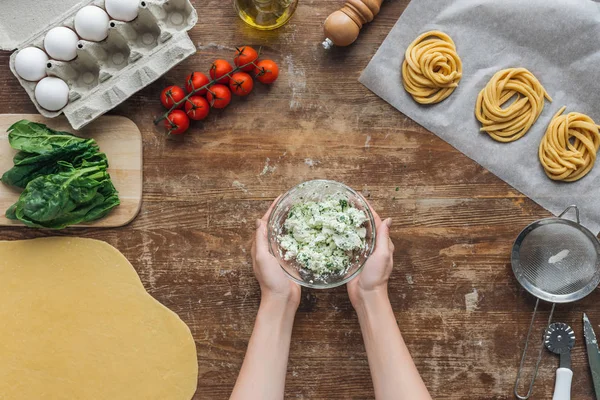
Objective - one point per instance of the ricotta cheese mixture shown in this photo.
(321, 236)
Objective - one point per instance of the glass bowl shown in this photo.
(318, 190)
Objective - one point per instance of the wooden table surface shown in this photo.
(457, 303)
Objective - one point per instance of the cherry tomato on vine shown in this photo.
(245, 55)
(218, 69)
(218, 96)
(171, 95)
(177, 122)
(241, 84)
(194, 81)
(266, 71)
(197, 108)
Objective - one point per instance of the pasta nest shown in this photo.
(568, 149)
(432, 68)
(511, 122)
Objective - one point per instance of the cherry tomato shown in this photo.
(171, 95)
(218, 96)
(245, 55)
(196, 80)
(220, 68)
(196, 107)
(241, 84)
(266, 71)
(177, 122)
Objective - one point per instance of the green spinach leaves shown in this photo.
(65, 178)
(40, 150)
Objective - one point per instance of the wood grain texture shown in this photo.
(458, 305)
(117, 136)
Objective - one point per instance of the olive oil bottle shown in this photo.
(265, 14)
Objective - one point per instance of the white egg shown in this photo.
(122, 10)
(30, 63)
(61, 43)
(91, 23)
(52, 93)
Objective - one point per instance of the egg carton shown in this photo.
(106, 73)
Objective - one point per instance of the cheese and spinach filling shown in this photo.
(322, 236)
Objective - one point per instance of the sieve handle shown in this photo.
(569, 208)
(537, 363)
(562, 387)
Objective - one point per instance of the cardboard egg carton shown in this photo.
(106, 73)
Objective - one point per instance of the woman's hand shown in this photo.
(274, 285)
(392, 368)
(373, 280)
(263, 372)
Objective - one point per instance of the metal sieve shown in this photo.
(556, 260)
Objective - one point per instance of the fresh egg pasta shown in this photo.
(432, 68)
(568, 149)
(509, 123)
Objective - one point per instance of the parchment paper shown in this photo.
(557, 40)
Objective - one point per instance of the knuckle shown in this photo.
(261, 257)
(385, 254)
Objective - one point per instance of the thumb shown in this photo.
(261, 236)
(383, 234)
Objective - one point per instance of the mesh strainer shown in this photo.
(556, 260)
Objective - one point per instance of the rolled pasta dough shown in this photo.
(78, 324)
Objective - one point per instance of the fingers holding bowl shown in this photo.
(270, 210)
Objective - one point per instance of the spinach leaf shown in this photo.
(11, 213)
(68, 197)
(28, 166)
(34, 137)
(64, 176)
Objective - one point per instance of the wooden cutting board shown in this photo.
(118, 137)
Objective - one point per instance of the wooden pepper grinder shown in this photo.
(342, 26)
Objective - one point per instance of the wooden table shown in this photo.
(458, 305)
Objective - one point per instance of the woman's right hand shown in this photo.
(373, 280)
(274, 285)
